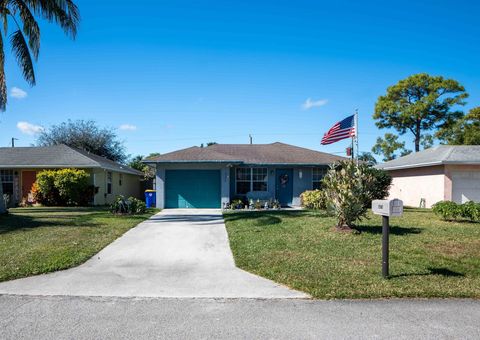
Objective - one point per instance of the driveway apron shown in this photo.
(176, 253)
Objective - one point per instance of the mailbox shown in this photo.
(388, 207)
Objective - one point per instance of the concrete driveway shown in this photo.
(176, 253)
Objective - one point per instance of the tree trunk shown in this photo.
(417, 137)
(2, 202)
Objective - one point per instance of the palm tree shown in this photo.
(25, 39)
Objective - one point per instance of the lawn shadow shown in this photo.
(269, 216)
(14, 222)
(394, 230)
(44, 209)
(432, 271)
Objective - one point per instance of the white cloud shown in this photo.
(28, 128)
(309, 103)
(18, 93)
(128, 127)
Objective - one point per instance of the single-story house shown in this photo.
(19, 167)
(210, 177)
(442, 173)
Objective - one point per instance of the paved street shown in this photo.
(30, 317)
(176, 253)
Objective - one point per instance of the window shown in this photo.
(317, 176)
(109, 182)
(6, 177)
(120, 179)
(251, 179)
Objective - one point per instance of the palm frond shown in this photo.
(30, 25)
(3, 85)
(22, 54)
(63, 12)
(4, 12)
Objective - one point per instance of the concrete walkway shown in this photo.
(176, 253)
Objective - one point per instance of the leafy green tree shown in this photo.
(418, 104)
(368, 158)
(136, 163)
(465, 131)
(208, 144)
(388, 147)
(427, 141)
(85, 135)
(25, 36)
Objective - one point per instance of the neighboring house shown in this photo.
(212, 176)
(450, 173)
(19, 167)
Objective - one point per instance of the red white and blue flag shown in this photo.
(341, 130)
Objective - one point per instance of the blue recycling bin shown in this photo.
(151, 198)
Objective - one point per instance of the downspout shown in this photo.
(105, 185)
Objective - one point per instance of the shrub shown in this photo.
(447, 210)
(380, 186)
(346, 189)
(47, 193)
(470, 211)
(313, 199)
(130, 206)
(63, 187)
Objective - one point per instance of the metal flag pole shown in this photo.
(356, 133)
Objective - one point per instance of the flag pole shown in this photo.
(356, 133)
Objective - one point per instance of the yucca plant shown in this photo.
(19, 19)
(347, 186)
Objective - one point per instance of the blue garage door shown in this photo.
(192, 189)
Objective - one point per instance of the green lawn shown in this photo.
(428, 257)
(41, 240)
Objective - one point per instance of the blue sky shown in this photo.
(178, 73)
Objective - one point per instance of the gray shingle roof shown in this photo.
(442, 154)
(275, 153)
(57, 156)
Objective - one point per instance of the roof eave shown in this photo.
(190, 161)
(48, 166)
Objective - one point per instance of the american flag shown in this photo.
(341, 130)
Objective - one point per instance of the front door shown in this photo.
(284, 186)
(28, 178)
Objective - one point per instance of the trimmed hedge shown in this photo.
(449, 210)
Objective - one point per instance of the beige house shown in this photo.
(442, 173)
(19, 167)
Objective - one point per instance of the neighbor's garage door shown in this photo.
(192, 189)
(466, 186)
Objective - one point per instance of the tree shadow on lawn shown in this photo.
(432, 271)
(272, 215)
(42, 210)
(14, 222)
(394, 230)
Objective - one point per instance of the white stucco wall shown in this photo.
(411, 185)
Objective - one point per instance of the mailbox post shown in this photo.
(386, 208)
